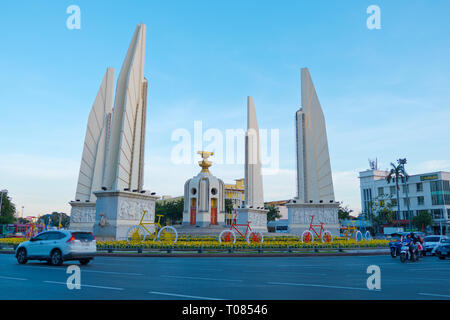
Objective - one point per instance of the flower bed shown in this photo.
(212, 243)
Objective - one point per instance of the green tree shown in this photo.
(397, 173)
(8, 210)
(344, 213)
(381, 212)
(422, 220)
(55, 218)
(273, 214)
(171, 210)
(228, 206)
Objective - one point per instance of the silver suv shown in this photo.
(58, 246)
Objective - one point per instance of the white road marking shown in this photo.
(318, 285)
(113, 272)
(429, 269)
(434, 295)
(84, 270)
(184, 296)
(86, 285)
(200, 278)
(289, 272)
(12, 278)
(433, 279)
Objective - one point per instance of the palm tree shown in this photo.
(394, 175)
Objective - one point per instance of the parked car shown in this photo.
(56, 247)
(431, 242)
(443, 249)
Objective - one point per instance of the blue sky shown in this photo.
(384, 93)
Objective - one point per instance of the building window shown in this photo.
(407, 188)
(437, 213)
(436, 200)
(394, 202)
(406, 203)
(367, 199)
(380, 191)
(419, 187)
(420, 201)
(392, 190)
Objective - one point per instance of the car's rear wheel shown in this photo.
(22, 256)
(56, 258)
(84, 261)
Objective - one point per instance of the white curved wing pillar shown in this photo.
(93, 160)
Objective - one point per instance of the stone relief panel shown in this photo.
(257, 219)
(133, 210)
(303, 216)
(80, 214)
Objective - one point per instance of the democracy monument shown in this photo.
(315, 193)
(110, 197)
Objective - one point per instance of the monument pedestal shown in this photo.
(257, 218)
(117, 211)
(299, 216)
(82, 216)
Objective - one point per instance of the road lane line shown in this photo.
(86, 285)
(288, 272)
(83, 270)
(184, 296)
(434, 295)
(12, 278)
(200, 278)
(318, 285)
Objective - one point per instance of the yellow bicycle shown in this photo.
(142, 231)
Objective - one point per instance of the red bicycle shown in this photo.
(229, 235)
(323, 234)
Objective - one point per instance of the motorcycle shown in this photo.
(405, 253)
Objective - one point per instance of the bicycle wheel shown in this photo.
(367, 235)
(227, 236)
(307, 236)
(168, 233)
(358, 236)
(327, 237)
(136, 233)
(255, 237)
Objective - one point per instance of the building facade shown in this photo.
(235, 193)
(427, 192)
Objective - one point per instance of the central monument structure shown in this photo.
(110, 196)
(252, 209)
(315, 193)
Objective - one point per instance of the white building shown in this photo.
(428, 192)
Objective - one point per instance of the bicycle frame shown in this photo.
(233, 226)
(158, 224)
(313, 226)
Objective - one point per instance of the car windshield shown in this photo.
(431, 239)
(83, 236)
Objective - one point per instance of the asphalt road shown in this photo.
(289, 278)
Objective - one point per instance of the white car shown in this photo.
(58, 246)
(430, 243)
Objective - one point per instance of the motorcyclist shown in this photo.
(412, 244)
(409, 242)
